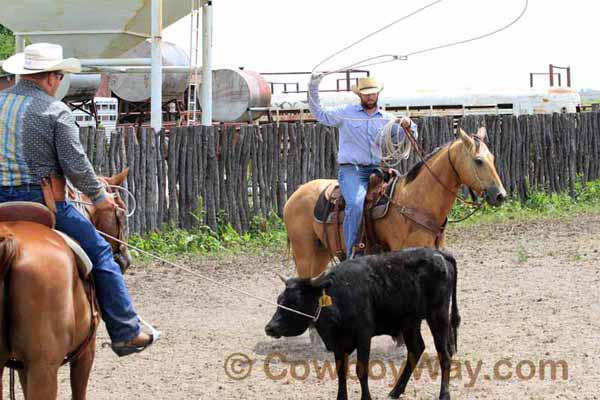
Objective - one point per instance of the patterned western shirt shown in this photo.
(39, 139)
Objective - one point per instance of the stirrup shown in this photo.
(126, 348)
(358, 250)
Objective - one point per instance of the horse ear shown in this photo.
(466, 139)
(482, 133)
(119, 178)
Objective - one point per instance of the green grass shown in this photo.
(269, 236)
(265, 235)
(539, 204)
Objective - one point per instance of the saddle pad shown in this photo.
(84, 264)
(13, 211)
(324, 206)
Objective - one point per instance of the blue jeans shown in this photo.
(117, 309)
(354, 183)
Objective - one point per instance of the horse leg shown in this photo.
(310, 261)
(80, 371)
(42, 381)
(310, 256)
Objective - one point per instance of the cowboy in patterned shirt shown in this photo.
(39, 140)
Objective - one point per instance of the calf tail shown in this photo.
(454, 315)
(9, 250)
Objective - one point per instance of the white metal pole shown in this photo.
(19, 48)
(93, 62)
(156, 74)
(206, 95)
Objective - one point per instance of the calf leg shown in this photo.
(362, 368)
(415, 347)
(439, 323)
(341, 364)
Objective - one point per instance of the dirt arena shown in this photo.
(529, 296)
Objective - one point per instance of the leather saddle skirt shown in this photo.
(15, 211)
(377, 202)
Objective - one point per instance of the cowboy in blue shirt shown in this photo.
(360, 139)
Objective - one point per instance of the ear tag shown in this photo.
(325, 300)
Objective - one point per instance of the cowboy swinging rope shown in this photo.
(391, 150)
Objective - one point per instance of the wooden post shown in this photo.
(173, 166)
(212, 201)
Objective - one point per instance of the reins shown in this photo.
(476, 205)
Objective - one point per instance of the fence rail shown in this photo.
(210, 175)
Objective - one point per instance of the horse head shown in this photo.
(112, 222)
(474, 165)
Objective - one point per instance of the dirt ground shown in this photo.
(528, 295)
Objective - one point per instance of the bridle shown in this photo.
(87, 209)
(419, 153)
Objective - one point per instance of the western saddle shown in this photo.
(330, 206)
(27, 211)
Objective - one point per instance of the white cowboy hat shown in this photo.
(368, 85)
(40, 57)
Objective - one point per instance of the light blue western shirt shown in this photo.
(360, 133)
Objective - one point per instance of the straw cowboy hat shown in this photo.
(368, 85)
(40, 57)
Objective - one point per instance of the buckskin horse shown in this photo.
(46, 316)
(418, 206)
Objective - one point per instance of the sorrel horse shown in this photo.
(45, 314)
(431, 186)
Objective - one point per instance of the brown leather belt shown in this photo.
(54, 189)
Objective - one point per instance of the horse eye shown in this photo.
(478, 161)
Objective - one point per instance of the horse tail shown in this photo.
(454, 315)
(9, 250)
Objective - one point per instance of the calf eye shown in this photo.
(478, 161)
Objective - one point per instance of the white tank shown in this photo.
(235, 91)
(78, 87)
(136, 87)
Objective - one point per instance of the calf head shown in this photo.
(301, 295)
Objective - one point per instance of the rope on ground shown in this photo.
(206, 278)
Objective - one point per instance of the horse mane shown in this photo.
(414, 171)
